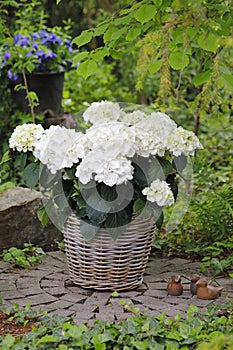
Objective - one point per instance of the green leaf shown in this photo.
(96, 217)
(118, 219)
(101, 29)
(119, 33)
(30, 67)
(108, 34)
(87, 68)
(180, 162)
(47, 339)
(228, 80)
(139, 205)
(140, 176)
(79, 57)
(208, 42)
(84, 38)
(99, 54)
(5, 158)
(43, 216)
(192, 309)
(6, 186)
(159, 220)
(145, 13)
(108, 193)
(201, 78)
(133, 34)
(154, 66)
(178, 60)
(30, 175)
(166, 166)
(7, 342)
(76, 332)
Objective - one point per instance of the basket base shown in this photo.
(105, 286)
(107, 264)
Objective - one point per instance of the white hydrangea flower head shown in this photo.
(148, 143)
(159, 123)
(96, 135)
(159, 192)
(107, 163)
(133, 117)
(54, 148)
(24, 137)
(181, 141)
(100, 112)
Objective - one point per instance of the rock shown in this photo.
(19, 223)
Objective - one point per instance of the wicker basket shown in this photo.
(107, 264)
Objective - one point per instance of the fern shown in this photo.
(214, 214)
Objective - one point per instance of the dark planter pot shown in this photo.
(48, 87)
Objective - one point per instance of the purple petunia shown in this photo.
(35, 36)
(50, 54)
(35, 46)
(7, 55)
(17, 37)
(24, 41)
(11, 75)
(40, 53)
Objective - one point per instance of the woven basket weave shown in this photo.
(107, 264)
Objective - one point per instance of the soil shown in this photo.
(13, 327)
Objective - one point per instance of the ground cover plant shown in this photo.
(26, 257)
(197, 331)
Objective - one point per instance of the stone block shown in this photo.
(19, 223)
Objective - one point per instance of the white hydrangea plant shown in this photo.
(117, 149)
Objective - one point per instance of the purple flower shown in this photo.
(35, 46)
(7, 55)
(69, 45)
(35, 36)
(58, 40)
(11, 75)
(40, 53)
(24, 41)
(17, 37)
(50, 54)
(43, 33)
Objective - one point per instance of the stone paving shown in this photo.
(47, 287)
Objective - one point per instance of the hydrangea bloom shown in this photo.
(25, 136)
(133, 117)
(181, 141)
(106, 163)
(148, 143)
(54, 148)
(96, 135)
(159, 192)
(100, 112)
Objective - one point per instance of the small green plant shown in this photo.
(4, 169)
(23, 316)
(26, 257)
(196, 331)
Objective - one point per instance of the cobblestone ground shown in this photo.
(47, 287)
